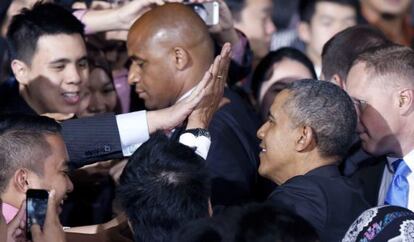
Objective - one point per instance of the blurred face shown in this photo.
(393, 7)
(283, 69)
(102, 95)
(55, 171)
(329, 18)
(377, 111)
(277, 141)
(152, 72)
(58, 74)
(256, 23)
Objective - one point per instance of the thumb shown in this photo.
(51, 212)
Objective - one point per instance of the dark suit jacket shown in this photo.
(324, 198)
(369, 177)
(233, 156)
(87, 139)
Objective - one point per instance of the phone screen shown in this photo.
(36, 207)
(208, 11)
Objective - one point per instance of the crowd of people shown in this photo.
(285, 121)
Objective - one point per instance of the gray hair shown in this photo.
(328, 110)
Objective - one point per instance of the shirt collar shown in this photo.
(408, 159)
(187, 94)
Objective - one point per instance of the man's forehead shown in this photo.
(61, 46)
(279, 102)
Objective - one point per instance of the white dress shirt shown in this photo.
(388, 175)
(133, 131)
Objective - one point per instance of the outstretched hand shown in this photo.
(224, 31)
(201, 104)
(202, 115)
(131, 11)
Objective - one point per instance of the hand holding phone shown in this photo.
(52, 230)
(208, 11)
(36, 206)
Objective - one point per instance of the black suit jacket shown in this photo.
(369, 177)
(233, 156)
(324, 198)
(87, 139)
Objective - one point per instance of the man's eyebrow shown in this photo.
(60, 61)
(135, 58)
(83, 58)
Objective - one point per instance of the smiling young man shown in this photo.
(310, 129)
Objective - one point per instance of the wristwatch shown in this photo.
(198, 132)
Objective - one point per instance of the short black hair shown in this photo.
(236, 6)
(264, 69)
(328, 110)
(307, 7)
(23, 143)
(43, 19)
(342, 49)
(268, 223)
(164, 185)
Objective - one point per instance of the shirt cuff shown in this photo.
(133, 130)
(201, 144)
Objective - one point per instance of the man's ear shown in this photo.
(21, 180)
(337, 80)
(20, 71)
(181, 58)
(305, 140)
(405, 101)
(304, 32)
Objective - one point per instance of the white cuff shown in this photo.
(133, 130)
(201, 144)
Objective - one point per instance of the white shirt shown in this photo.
(133, 131)
(388, 175)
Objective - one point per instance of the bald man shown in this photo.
(170, 49)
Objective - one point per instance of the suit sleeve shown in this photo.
(92, 139)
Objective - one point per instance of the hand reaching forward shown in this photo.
(202, 115)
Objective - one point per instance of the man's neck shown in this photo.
(33, 104)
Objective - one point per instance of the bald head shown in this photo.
(174, 40)
(173, 24)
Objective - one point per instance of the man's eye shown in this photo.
(83, 64)
(59, 67)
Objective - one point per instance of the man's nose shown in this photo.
(133, 76)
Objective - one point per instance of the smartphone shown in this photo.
(36, 207)
(208, 11)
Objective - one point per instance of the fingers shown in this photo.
(201, 85)
(51, 213)
(36, 232)
(18, 222)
